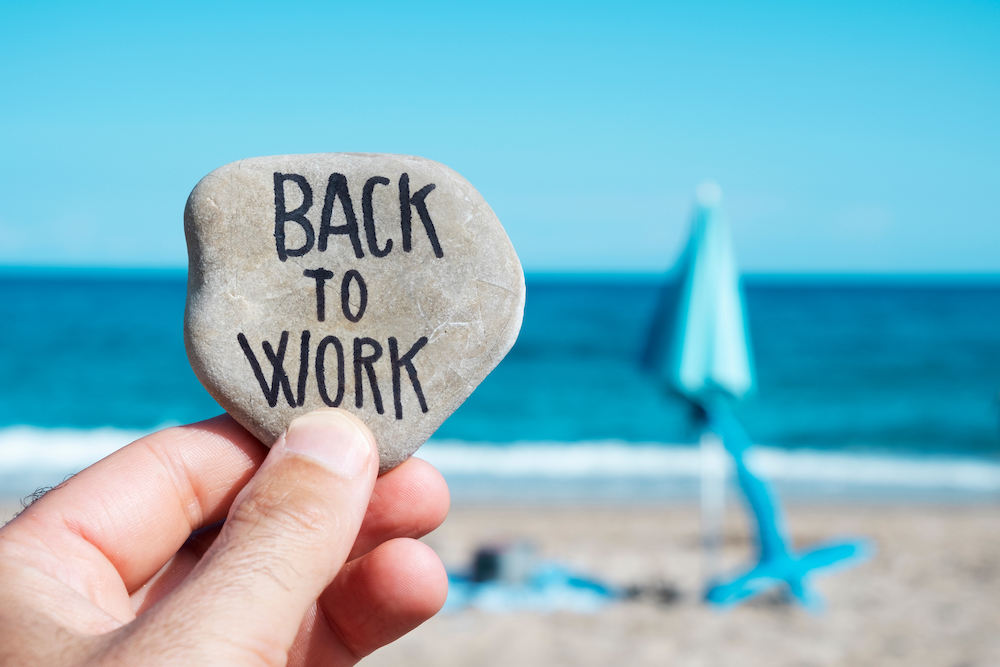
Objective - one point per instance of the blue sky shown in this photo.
(862, 137)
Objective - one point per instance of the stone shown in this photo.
(382, 284)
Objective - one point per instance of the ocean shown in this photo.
(864, 384)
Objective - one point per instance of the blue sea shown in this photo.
(864, 383)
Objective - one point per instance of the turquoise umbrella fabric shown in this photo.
(700, 346)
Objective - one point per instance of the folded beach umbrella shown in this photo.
(699, 345)
(699, 342)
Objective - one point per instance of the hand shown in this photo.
(127, 564)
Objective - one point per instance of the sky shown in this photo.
(857, 137)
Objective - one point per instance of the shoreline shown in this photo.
(592, 472)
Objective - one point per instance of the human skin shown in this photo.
(129, 563)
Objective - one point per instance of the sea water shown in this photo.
(862, 383)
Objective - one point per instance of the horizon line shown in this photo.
(553, 276)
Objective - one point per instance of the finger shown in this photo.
(375, 600)
(411, 500)
(380, 597)
(287, 535)
(121, 519)
(176, 570)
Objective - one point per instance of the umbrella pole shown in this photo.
(713, 505)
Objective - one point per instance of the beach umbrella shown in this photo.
(699, 343)
(699, 346)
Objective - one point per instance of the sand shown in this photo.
(931, 596)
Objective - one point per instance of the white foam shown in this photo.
(878, 470)
(28, 453)
(59, 448)
(604, 459)
(565, 460)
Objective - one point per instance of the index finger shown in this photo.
(135, 508)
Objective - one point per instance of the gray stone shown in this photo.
(310, 272)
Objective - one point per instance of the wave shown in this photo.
(611, 458)
(31, 457)
(59, 448)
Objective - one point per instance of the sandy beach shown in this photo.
(929, 597)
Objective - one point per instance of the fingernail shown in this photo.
(333, 439)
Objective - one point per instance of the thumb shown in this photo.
(288, 534)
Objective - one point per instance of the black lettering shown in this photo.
(281, 216)
(303, 368)
(345, 295)
(279, 378)
(321, 370)
(418, 201)
(321, 276)
(368, 362)
(337, 187)
(369, 215)
(407, 361)
(278, 363)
